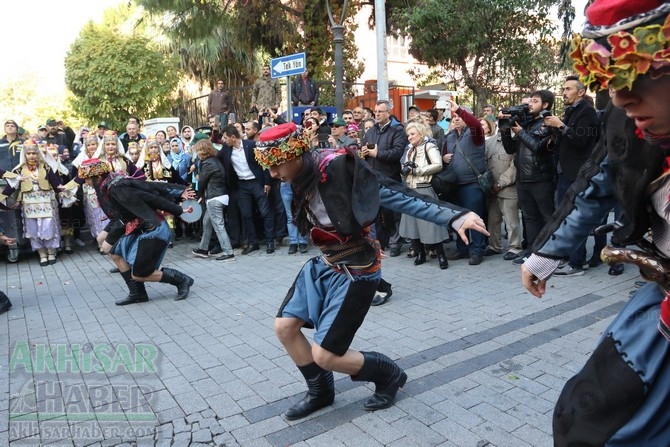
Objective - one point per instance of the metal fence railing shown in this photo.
(193, 111)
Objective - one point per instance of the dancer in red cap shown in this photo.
(620, 397)
(137, 234)
(336, 197)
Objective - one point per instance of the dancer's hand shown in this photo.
(188, 194)
(106, 247)
(535, 286)
(472, 222)
(189, 210)
(7, 240)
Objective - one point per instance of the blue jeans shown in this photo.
(214, 220)
(252, 191)
(287, 197)
(472, 197)
(578, 257)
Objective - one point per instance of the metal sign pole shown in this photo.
(289, 103)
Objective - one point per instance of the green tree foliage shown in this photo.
(486, 45)
(113, 76)
(29, 107)
(230, 40)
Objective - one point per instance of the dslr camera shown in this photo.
(518, 114)
(407, 167)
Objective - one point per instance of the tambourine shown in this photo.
(193, 216)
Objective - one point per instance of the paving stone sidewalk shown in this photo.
(486, 360)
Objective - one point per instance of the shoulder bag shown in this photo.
(484, 179)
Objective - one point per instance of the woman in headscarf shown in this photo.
(37, 194)
(179, 159)
(111, 151)
(95, 216)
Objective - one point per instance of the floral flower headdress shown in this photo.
(93, 167)
(109, 135)
(280, 144)
(615, 48)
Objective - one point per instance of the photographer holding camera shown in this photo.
(534, 161)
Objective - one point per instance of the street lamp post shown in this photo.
(338, 38)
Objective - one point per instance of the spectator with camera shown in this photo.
(383, 147)
(534, 161)
(463, 149)
(575, 136)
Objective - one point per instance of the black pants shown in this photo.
(536, 200)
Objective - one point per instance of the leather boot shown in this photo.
(420, 251)
(136, 291)
(179, 279)
(320, 392)
(441, 258)
(387, 376)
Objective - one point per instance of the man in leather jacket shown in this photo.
(534, 165)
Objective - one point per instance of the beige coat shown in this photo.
(426, 166)
(502, 167)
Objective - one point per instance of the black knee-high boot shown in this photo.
(387, 376)
(420, 251)
(136, 291)
(441, 258)
(384, 292)
(320, 392)
(179, 279)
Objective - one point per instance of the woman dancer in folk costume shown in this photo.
(137, 235)
(37, 190)
(620, 397)
(95, 217)
(336, 197)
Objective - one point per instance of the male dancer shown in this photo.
(336, 197)
(137, 235)
(620, 397)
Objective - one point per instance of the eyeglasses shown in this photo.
(381, 111)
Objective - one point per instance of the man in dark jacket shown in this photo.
(576, 136)
(249, 184)
(383, 147)
(534, 166)
(304, 91)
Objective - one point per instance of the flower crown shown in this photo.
(109, 135)
(278, 152)
(93, 167)
(615, 62)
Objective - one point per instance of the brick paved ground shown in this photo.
(485, 360)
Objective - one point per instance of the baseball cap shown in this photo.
(338, 122)
(103, 124)
(51, 122)
(415, 107)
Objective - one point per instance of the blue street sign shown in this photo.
(288, 65)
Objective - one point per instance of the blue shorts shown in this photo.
(144, 251)
(330, 302)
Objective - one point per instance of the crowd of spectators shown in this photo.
(529, 160)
